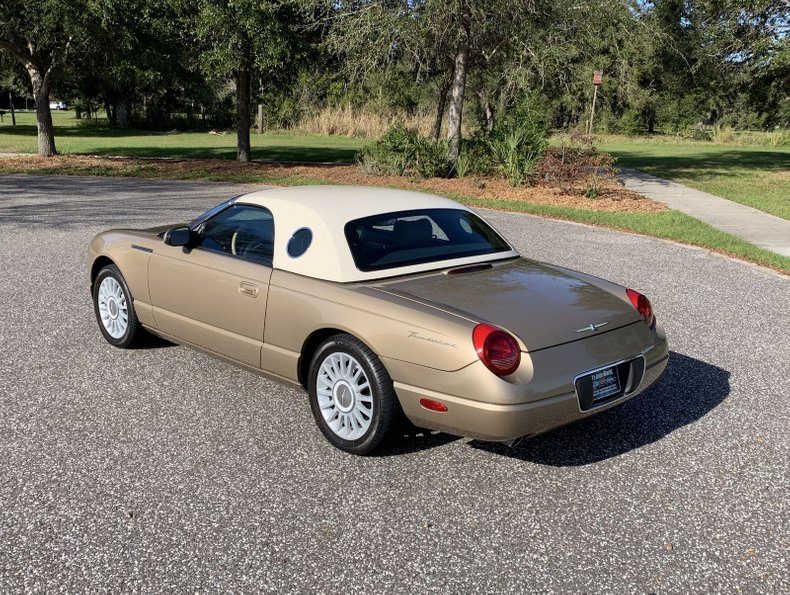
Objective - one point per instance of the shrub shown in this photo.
(402, 151)
(474, 155)
(463, 164)
(513, 149)
(696, 133)
(516, 146)
(567, 166)
(631, 123)
(430, 158)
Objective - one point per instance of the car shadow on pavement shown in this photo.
(149, 341)
(689, 389)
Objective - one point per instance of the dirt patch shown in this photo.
(613, 197)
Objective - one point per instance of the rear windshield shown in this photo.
(415, 237)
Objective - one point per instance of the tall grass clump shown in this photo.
(778, 138)
(722, 133)
(362, 123)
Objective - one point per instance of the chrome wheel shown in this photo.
(344, 396)
(113, 308)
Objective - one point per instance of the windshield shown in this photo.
(414, 237)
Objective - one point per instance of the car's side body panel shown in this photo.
(209, 299)
(391, 326)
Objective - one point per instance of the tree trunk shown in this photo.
(442, 104)
(11, 105)
(120, 113)
(243, 80)
(489, 116)
(109, 109)
(459, 87)
(46, 132)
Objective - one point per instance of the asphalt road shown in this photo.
(164, 469)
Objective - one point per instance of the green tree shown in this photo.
(134, 52)
(238, 40)
(40, 34)
(443, 40)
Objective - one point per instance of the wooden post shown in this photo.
(260, 118)
(11, 103)
(592, 113)
(597, 80)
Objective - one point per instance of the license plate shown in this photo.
(605, 384)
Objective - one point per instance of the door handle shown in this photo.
(248, 289)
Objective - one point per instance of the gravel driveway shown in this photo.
(164, 469)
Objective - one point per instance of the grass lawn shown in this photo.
(754, 176)
(73, 137)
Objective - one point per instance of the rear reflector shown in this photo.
(432, 405)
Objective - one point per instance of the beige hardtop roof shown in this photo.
(325, 210)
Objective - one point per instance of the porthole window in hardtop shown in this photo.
(414, 237)
(245, 231)
(299, 243)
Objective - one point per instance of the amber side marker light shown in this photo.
(642, 305)
(432, 405)
(497, 349)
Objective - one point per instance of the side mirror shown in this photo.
(180, 236)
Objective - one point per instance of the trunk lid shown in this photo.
(542, 305)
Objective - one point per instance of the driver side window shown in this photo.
(244, 231)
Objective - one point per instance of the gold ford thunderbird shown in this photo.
(382, 304)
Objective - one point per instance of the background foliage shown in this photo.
(356, 67)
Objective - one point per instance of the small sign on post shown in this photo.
(597, 80)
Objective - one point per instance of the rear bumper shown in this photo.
(497, 422)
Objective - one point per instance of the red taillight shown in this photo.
(642, 305)
(496, 349)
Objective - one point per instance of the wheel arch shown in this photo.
(311, 345)
(99, 264)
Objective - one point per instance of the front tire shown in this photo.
(351, 395)
(114, 309)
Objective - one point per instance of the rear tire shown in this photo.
(351, 395)
(114, 309)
